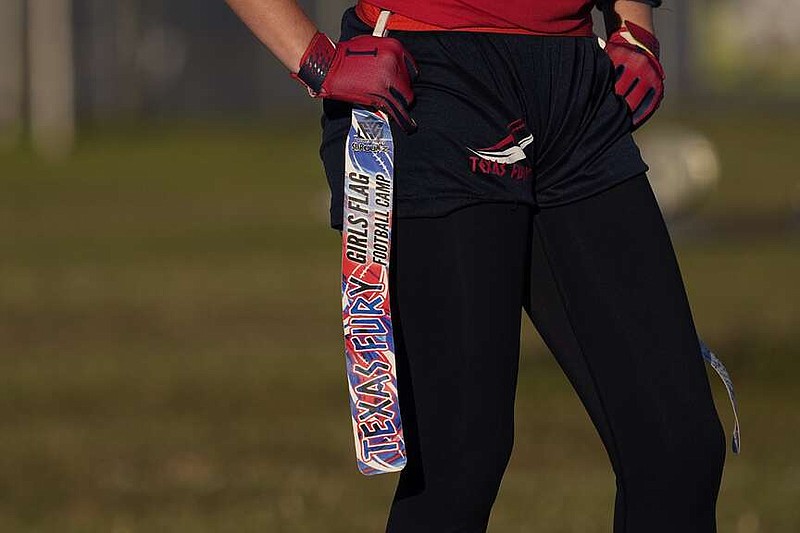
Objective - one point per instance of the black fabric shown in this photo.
(600, 281)
(477, 89)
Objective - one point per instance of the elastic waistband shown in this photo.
(368, 13)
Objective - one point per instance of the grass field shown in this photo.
(170, 352)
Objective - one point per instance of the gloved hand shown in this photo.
(371, 71)
(634, 52)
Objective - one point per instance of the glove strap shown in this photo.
(315, 63)
(638, 36)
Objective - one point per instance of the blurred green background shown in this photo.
(170, 343)
(171, 351)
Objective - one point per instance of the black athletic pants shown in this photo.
(600, 281)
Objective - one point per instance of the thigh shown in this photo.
(456, 305)
(612, 305)
(544, 304)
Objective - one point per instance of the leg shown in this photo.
(457, 303)
(607, 296)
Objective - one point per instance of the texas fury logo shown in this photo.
(507, 157)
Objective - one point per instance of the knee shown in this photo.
(454, 491)
(491, 456)
(695, 458)
(709, 447)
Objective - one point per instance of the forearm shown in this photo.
(639, 13)
(280, 24)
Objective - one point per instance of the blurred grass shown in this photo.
(759, 160)
(170, 353)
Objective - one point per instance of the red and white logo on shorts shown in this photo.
(506, 157)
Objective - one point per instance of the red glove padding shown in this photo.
(371, 71)
(639, 74)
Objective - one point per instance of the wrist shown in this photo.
(604, 4)
(617, 12)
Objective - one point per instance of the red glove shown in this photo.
(640, 76)
(371, 71)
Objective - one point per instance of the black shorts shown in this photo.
(502, 118)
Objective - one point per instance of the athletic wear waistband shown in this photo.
(369, 12)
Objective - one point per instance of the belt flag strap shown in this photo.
(722, 372)
(366, 314)
(369, 342)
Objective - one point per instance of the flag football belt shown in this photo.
(369, 14)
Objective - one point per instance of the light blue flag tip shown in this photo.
(722, 372)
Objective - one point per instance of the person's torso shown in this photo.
(557, 17)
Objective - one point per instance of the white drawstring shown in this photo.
(380, 25)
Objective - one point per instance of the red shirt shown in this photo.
(556, 17)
